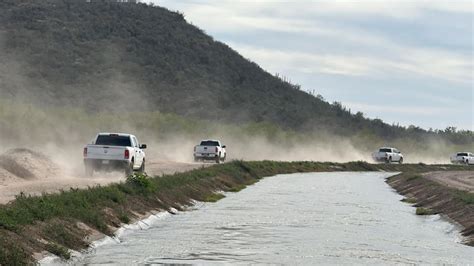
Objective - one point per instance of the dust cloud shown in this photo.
(259, 148)
(54, 135)
(64, 146)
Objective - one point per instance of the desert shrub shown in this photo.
(465, 197)
(141, 181)
(423, 211)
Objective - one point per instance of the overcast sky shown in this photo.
(409, 62)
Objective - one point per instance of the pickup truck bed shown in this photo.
(114, 151)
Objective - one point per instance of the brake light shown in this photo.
(85, 152)
(216, 149)
(126, 154)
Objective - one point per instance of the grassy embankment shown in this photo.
(63, 221)
(431, 198)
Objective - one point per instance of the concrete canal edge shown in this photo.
(430, 197)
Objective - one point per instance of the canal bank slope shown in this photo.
(449, 193)
(34, 226)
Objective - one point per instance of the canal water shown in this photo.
(306, 219)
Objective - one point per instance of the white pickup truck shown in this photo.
(388, 155)
(211, 150)
(114, 151)
(462, 158)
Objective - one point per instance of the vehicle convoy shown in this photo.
(462, 158)
(114, 151)
(388, 155)
(210, 150)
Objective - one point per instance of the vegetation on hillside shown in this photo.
(116, 57)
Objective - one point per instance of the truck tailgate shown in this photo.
(105, 152)
(205, 149)
(380, 154)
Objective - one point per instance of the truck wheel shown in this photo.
(129, 169)
(142, 168)
(218, 158)
(89, 170)
(388, 160)
(223, 159)
(401, 160)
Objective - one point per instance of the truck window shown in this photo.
(136, 142)
(109, 140)
(385, 150)
(209, 143)
(462, 154)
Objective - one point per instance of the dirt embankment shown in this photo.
(448, 193)
(26, 164)
(34, 173)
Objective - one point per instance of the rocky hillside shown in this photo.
(111, 56)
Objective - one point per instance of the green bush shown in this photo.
(424, 211)
(214, 197)
(237, 188)
(58, 250)
(409, 200)
(141, 181)
(466, 197)
(124, 218)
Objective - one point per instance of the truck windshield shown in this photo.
(209, 143)
(385, 150)
(113, 140)
(462, 154)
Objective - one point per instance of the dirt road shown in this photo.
(23, 170)
(10, 187)
(463, 180)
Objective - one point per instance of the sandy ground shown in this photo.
(170, 167)
(9, 187)
(33, 173)
(463, 180)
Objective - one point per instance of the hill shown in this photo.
(115, 57)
